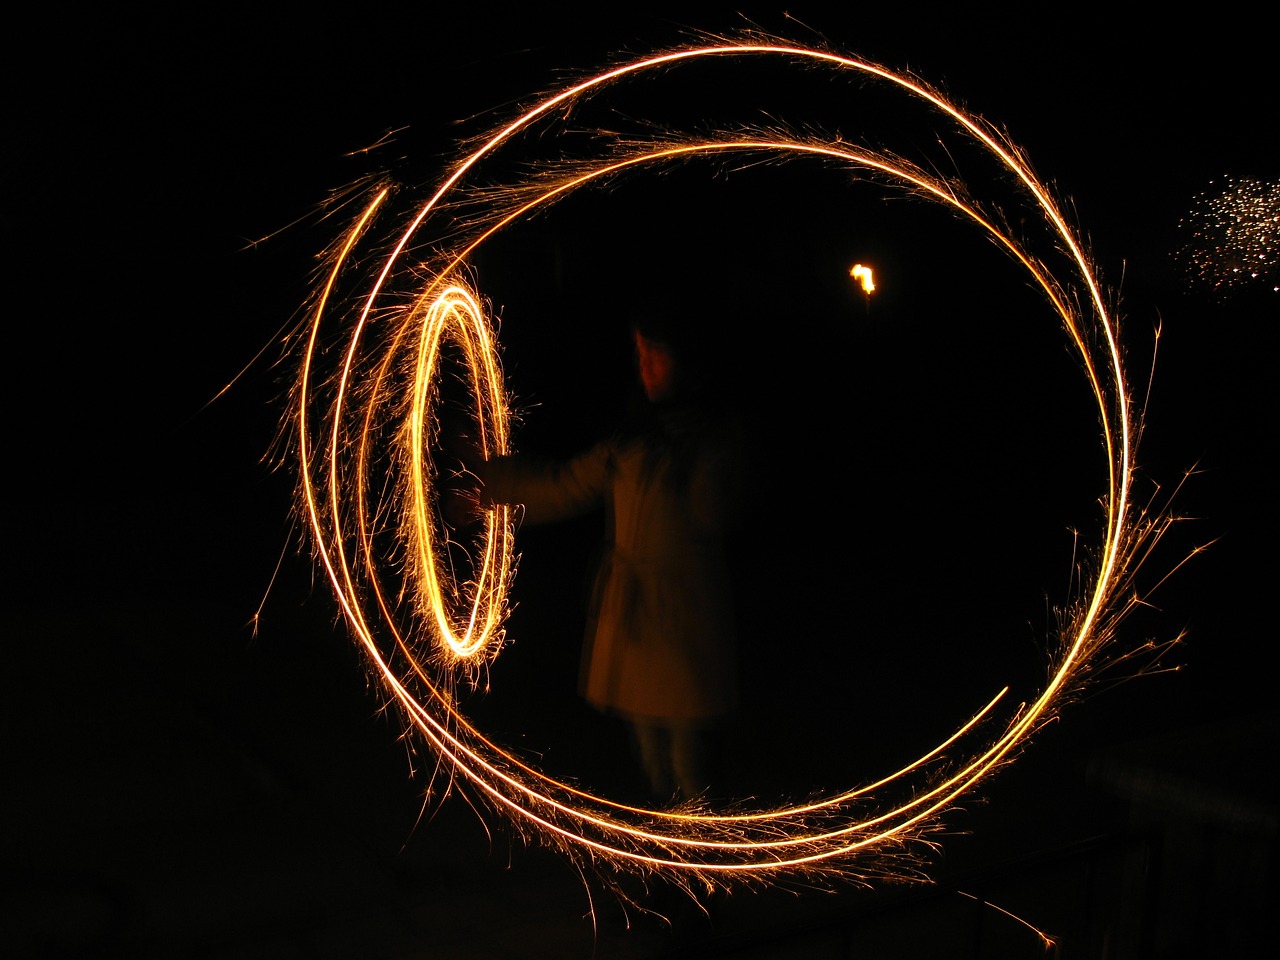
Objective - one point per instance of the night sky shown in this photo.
(152, 152)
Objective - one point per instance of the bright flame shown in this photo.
(365, 427)
(863, 275)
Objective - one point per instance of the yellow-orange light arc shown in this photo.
(455, 311)
(377, 411)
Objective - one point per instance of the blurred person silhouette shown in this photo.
(660, 649)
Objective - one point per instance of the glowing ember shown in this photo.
(368, 449)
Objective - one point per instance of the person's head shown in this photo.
(675, 352)
(656, 361)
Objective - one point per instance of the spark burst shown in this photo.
(1233, 236)
(364, 422)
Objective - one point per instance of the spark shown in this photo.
(372, 463)
(1045, 940)
(862, 274)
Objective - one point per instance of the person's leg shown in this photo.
(653, 743)
(689, 761)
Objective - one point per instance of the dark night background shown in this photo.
(183, 785)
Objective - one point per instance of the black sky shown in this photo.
(155, 149)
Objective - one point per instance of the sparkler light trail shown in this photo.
(382, 344)
(455, 311)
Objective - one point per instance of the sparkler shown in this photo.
(368, 446)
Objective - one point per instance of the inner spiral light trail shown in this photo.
(386, 348)
(456, 313)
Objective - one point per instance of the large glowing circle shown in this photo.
(362, 422)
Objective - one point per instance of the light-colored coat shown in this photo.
(660, 638)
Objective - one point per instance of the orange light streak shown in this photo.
(456, 312)
(369, 487)
(863, 275)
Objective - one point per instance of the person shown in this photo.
(660, 646)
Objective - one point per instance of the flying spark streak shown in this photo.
(1045, 940)
(373, 465)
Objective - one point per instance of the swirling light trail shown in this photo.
(370, 494)
(455, 311)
